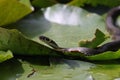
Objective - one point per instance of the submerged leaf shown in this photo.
(12, 10)
(99, 38)
(5, 55)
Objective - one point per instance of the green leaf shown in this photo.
(68, 25)
(64, 30)
(63, 68)
(67, 35)
(12, 11)
(5, 55)
(26, 3)
(106, 70)
(43, 3)
(109, 3)
(13, 40)
(99, 38)
(109, 55)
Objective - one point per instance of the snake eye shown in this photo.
(48, 40)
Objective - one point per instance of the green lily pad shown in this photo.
(67, 35)
(5, 55)
(95, 2)
(100, 37)
(43, 3)
(13, 40)
(63, 29)
(63, 68)
(106, 70)
(26, 3)
(109, 55)
(71, 24)
(12, 8)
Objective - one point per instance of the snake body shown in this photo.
(53, 44)
(113, 29)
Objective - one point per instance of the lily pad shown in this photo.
(95, 3)
(13, 8)
(13, 40)
(106, 70)
(26, 3)
(67, 36)
(64, 33)
(5, 55)
(43, 3)
(109, 55)
(66, 25)
(99, 38)
(64, 69)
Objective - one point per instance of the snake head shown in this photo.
(49, 42)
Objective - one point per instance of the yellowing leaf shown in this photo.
(11, 11)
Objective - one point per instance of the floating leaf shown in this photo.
(43, 3)
(62, 32)
(95, 2)
(66, 31)
(5, 55)
(13, 40)
(26, 3)
(67, 36)
(12, 11)
(106, 70)
(109, 55)
(99, 38)
(64, 69)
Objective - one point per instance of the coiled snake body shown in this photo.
(111, 27)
